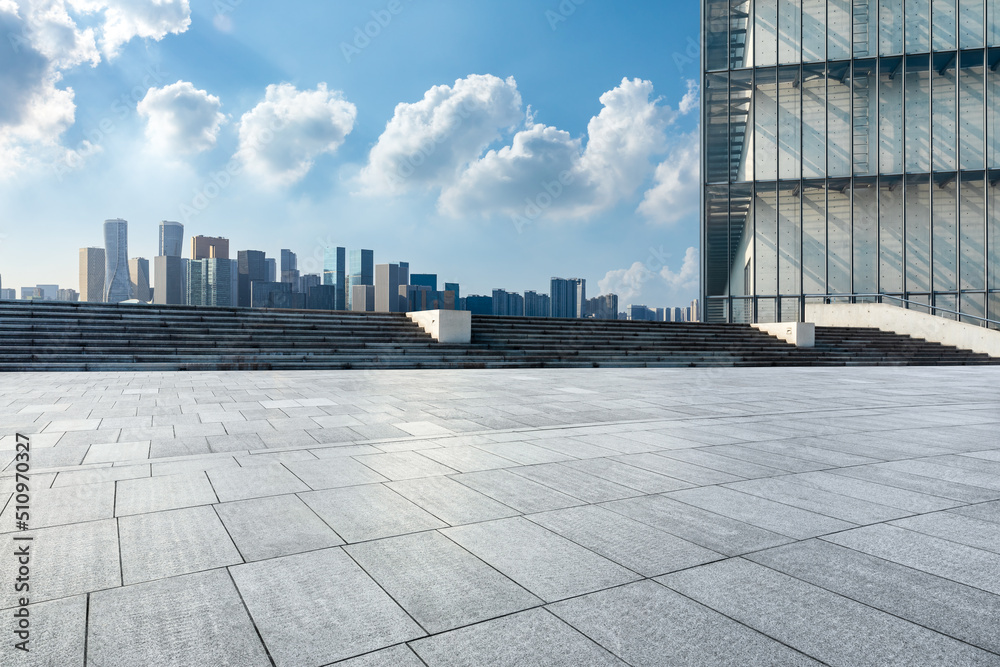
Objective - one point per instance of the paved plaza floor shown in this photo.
(846, 516)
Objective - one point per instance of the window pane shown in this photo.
(838, 33)
(813, 30)
(971, 17)
(789, 237)
(918, 234)
(838, 216)
(993, 232)
(865, 28)
(891, 115)
(814, 237)
(717, 154)
(973, 304)
(766, 243)
(740, 53)
(890, 27)
(972, 140)
(740, 125)
(918, 26)
(944, 25)
(838, 119)
(741, 239)
(716, 34)
(918, 113)
(992, 22)
(943, 106)
(766, 125)
(944, 205)
(865, 236)
(789, 123)
(993, 108)
(891, 234)
(865, 117)
(717, 239)
(789, 25)
(972, 230)
(765, 35)
(813, 121)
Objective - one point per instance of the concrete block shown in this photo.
(445, 326)
(799, 334)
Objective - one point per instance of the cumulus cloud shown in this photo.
(44, 38)
(181, 119)
(545, 171)
(654, 275)
(281, 137)
(674, 195)
(429, 142)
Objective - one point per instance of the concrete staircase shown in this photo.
(55, 336)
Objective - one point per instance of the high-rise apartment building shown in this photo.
(569, 297)
(251, 267)
(537, 305)
(209, 247)
(171, 239)
(849, 149)
(335, 273)
(138, 269)
(117, 285)
(209, 282)
(361, 271)
(508, 303)
(92, 268)
(604, 307)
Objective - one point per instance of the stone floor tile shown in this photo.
(686, 472)
(639, 479)
(710, 458)
(275, 526)
(985, 511)
(118, 451)
(525, 453)
(333, 472)
(892, 496)
(835, 505)
(155, 494)
(403, 465)
(451, 501)
(649, 625)
(515, 491)
(319, 607)
(467, 458)
(253, 482)
(64, 505)
(526, 638)
(550, 566)
(369, 512)
(396, 656)
(957, 528)
(575, 483)
(936, 487)
(57, 635)
(440, 584)
(821, 624)
(197, 620)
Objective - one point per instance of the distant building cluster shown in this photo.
(212, 276)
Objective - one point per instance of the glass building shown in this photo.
(849, 149)
(117, 285)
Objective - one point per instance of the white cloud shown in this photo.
(127, 19)
(281, 137)
(674, 195)
(690, 100)
(181, 118)
(653, 280)
(516, 180)
(427, 143)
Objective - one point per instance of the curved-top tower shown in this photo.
(850, 148)
(117, 285)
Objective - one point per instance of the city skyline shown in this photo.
(599, 145)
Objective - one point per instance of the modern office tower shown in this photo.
(453, 287)
(448, 299)
(388, 278)
(269, 294)
(251, 266)
(849, 149)
(428, 280)
(321, 297)
(209, 282)
(604, 307)
(536, 305)
(335, 273)
(49, 292)
(70, 295)
(695, 310)
(361, 270)
(138, 270)
(677, 315)
(581, 296)
(404, 273)
(92, 267)
(272, 269)
(416, 297)
(565, 296)
(32, 294)
(169, 279)
(479, 305)
(660, 314)
(117, 286)
(289, 268)
(363, 298)
(639, 313)
(8, 294)
(309, 280)
(209, 247)
(171, 239)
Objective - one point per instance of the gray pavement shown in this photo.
(839, 516)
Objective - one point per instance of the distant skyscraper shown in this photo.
(272, 269)
(388, 278)
(695, 311)
(49, 292)
(363, 298)
(8, 294)
(92, 267)
(361, 271)
(453, 287)
(209, 247)
(309, 280)
(563, 297)
(429, 280)
(335, 273)
(169, 279)
(479, 305)
(639, 313)
(321, 297)
(251, 267)
(209, 282)
(604, 307)
(31, 293)
(117, 286)
(138, 269)
(70, 295)
(290, 269)
(270, 294)
(171, 239)
(581, 296)
(536, 305)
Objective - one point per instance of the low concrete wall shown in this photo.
(908, 322)
(799, 334)
(445, 326)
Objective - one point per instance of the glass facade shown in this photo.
(850, 148)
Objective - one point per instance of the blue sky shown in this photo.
(495, 143)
